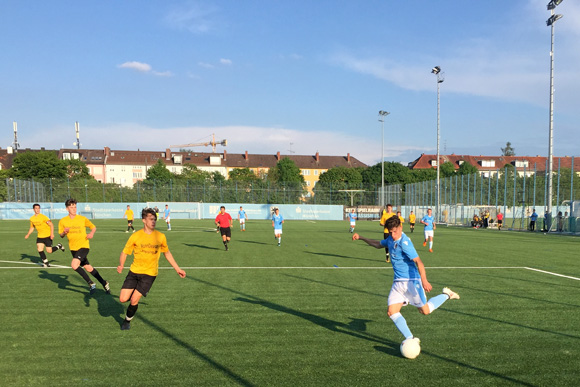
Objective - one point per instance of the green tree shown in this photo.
(286, 171)
(348, 177)
(158, 173)
(242, 174)
(447, 169)
(467, 169)
(77, 169)
(191, 172)
(395, 173)
(423, 174)
(508, 150)
(38, 165)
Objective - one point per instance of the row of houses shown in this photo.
(127, 167)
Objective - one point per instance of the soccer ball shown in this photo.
(411, 348)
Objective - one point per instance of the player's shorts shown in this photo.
(227, 231)
(45, 241)
(500, 222)
(242, 220)
(428, 233)
(168, 219)
(129, 221)
(140, 282)
(412, 224)
(277, 231)
(353, 224)
(409, 292)
(81, 255)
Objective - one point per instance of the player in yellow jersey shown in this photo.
(146, 245)
(387, 213)
(412, 219)
(400, 217)
(130, 216)
(74, 227)
(45, 234)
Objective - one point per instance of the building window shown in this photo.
(306, 172)
(488, 163)
(316, 172)
(521, 163)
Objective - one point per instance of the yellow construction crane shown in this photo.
(213, 144)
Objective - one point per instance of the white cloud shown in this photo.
(194, 18)
(226, 62)
(205, 65)
(142, 67)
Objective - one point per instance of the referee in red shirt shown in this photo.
(224, 221)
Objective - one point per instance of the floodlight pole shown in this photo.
(382, 115)
(437, 71)
(551, 21)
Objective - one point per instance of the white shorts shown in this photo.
(168, 219)
(352, 224)
(242, 220)
(277, 231)
(428, 233)
(407, 293)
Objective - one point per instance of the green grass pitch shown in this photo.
(309, 313)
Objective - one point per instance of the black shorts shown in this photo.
(46, 241)
(227, 231)
(81, 255)
(412, 224)
(140, 282)
(500, 222)
(129, 221)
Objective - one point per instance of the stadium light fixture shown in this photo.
(550, 23)
(440, 78)
(382, 115)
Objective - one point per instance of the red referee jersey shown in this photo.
(225, 220)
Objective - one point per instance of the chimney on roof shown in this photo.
(167, 154)
(107, 151)
(317, 157)
(246, 155)
(278, 156)
(348, 158)
(225, 154)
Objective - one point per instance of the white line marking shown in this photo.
(549, 272)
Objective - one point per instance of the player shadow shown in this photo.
(64, 284)
(201, 246)
(32, 258)
(238, 379)
(335, 285)
(254, 242)
(342, 256)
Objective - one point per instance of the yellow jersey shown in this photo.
(129, 214)
(402, 219)
(146, 250)
(386, 215)
(40, 223)
(77, 233)
(412, 218)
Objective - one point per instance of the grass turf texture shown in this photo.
(292, 315)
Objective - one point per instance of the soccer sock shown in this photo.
(131, 310)
(437, 301)
(430, 244)
(83, 274)
(279, 239)
(96, 274)
(43, 256)
(401, 325)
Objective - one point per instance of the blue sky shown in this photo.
(300, 76)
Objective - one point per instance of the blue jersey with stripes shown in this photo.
(402, 254)
(242, 214)
(429, 220)
(352, 217)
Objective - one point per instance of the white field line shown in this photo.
(33, 265)
(549, 272)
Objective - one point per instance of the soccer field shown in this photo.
(309, 313)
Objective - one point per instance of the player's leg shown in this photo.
(95, 273)
(76, 266)
(431, 241)
(41, 253)
(387, 255)
(394, 312)
(437, 301)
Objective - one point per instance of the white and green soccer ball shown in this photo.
(411, 348)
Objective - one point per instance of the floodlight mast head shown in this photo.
(383, 113)
(553, 4)
(436, 70)
(553, 19)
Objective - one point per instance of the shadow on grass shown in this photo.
(64, 284)
(343, 256)
(254, 242)
(32, 258)
(226, 371)
(335, 285)
(201, 246)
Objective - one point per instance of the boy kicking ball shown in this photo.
(146, 245)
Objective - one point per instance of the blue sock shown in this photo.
(437, 301)
(401, 325)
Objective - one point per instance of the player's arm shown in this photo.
(29, 231)
(426, 285)
(172, 262)
(92, 233)
(51, 229)
(371, 242)
(122, 260)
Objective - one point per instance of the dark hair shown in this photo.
(392, 222)
(224, 207)
(147, 211)
(35, 205)
(70, 202)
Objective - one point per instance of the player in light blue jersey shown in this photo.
(410, 279)
(167, 217)
(277, 221)
(352, 218)
(429, 223)
(242, 219)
